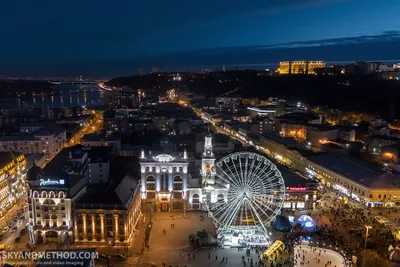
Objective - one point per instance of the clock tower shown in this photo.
(207, 162)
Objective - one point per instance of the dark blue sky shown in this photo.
(95, 36)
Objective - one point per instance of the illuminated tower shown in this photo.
(207, 162)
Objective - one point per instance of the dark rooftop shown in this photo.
(59, 165)
(286, 141)
(115, 193)
(358, 170)
(98, 153)
(298, 116)
(5, 158)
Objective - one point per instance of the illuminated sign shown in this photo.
(296, 188)
(51, 182)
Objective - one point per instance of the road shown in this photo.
(9, 238)
(94, 124)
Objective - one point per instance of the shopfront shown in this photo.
(300, 198)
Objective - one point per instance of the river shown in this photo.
(71, 95)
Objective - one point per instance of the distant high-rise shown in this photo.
(300, 67)
(223, 68)
(284, 67)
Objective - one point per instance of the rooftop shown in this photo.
(101, 137)
(98, 153)
(59, 165)
(358, 170)
(286, 141)
(116, 193)
(5, 158)
(298, 116)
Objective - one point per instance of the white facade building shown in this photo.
(165, 185)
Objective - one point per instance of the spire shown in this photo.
(142, 154)
(184, 154)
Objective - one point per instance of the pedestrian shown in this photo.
(216, 257)
(209, 255)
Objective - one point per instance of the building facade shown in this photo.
(164, 181)
(167, 185)
(105, 223)
(53, 190)
(43, 141)
(12, 180)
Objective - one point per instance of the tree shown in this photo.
(373, 259)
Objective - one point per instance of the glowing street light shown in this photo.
(365, 246)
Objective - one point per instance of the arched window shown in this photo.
(61, 194)
(52, 194)
(150, 183)
(35, 194)
(44, 194)
(196, 199)
(177, 183)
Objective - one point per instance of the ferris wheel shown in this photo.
(255, 193)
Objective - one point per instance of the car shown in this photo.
(14, 229)
(21, 219)
(22, 232)
(117, 257)
(1, 236)
(17, 240)
(5, 229)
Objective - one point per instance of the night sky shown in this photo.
(96, 37)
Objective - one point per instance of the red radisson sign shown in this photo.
(296, 188)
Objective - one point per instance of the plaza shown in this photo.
(173, 248)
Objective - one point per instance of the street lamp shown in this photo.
(365, 246)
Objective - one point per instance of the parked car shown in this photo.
(1, 236)
(117, 257)
(17, 240)
(14, 229)
(21, 219)
(22, 232)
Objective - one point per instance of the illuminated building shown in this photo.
(300, 67)
(301, 197)
(52, 193)
(12, 180)
(167, 185)
(164, 181)
(312, 65)
(109, 218)
(284, 67)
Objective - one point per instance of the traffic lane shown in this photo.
(9, 237)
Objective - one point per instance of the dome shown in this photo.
(33, 173)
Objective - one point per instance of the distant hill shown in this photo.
(352, 93)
